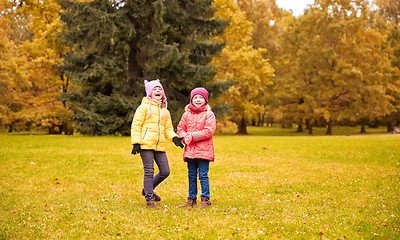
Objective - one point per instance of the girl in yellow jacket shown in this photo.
(151, 125)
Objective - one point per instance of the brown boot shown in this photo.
(156, 197)
(151, 204)
(205, 202)
(189, 203)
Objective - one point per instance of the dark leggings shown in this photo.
(150, 181)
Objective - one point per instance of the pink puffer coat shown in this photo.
(202, 127)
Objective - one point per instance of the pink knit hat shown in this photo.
(149, 86)
(202, 91)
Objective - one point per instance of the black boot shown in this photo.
(156, 197)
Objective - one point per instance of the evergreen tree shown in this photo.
(117, 45)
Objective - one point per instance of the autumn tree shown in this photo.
(10, 77)
(269, 22)
(13, 72)
(45, 52)
(240, 63)
(390, 11)
(340, 68)
(34, 81)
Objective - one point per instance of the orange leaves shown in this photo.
(32, 77)
(239, 61)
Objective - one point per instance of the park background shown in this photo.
(78, 66)
(306, 108)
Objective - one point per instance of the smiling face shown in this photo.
(157, 93)
(198, 100)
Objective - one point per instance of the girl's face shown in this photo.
(157, 93)
(198, 100)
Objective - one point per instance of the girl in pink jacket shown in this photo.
(197, 126)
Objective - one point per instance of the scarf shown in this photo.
(197, 109)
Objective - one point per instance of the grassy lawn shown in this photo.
(262, 187)
(317, 131)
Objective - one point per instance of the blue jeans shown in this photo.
(202, 166)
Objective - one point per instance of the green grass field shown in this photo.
(317, 131)
(262, 187)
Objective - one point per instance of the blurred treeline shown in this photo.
(79, 66)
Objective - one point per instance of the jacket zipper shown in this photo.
(145, 133)
(159, 118)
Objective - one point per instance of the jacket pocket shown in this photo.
(145, 132)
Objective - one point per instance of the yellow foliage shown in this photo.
(32, 77)
(239, 61)
(226, 126)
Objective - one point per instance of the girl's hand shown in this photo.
(188, 139)
(136, 148)
(178, 141)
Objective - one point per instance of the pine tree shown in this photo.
(116, 46)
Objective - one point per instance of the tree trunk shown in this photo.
(376, 123)
(260, 119)
(134, 70)
(309, 126)
(390, 126)
(242, 127)
(67, 128)
(286, 123)
(300, 127)
(65, 85)
(363, 127)
(330, 125)
(263, 120)
(10, 127)
(52, 129)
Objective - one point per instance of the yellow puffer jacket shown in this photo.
(151, 132)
